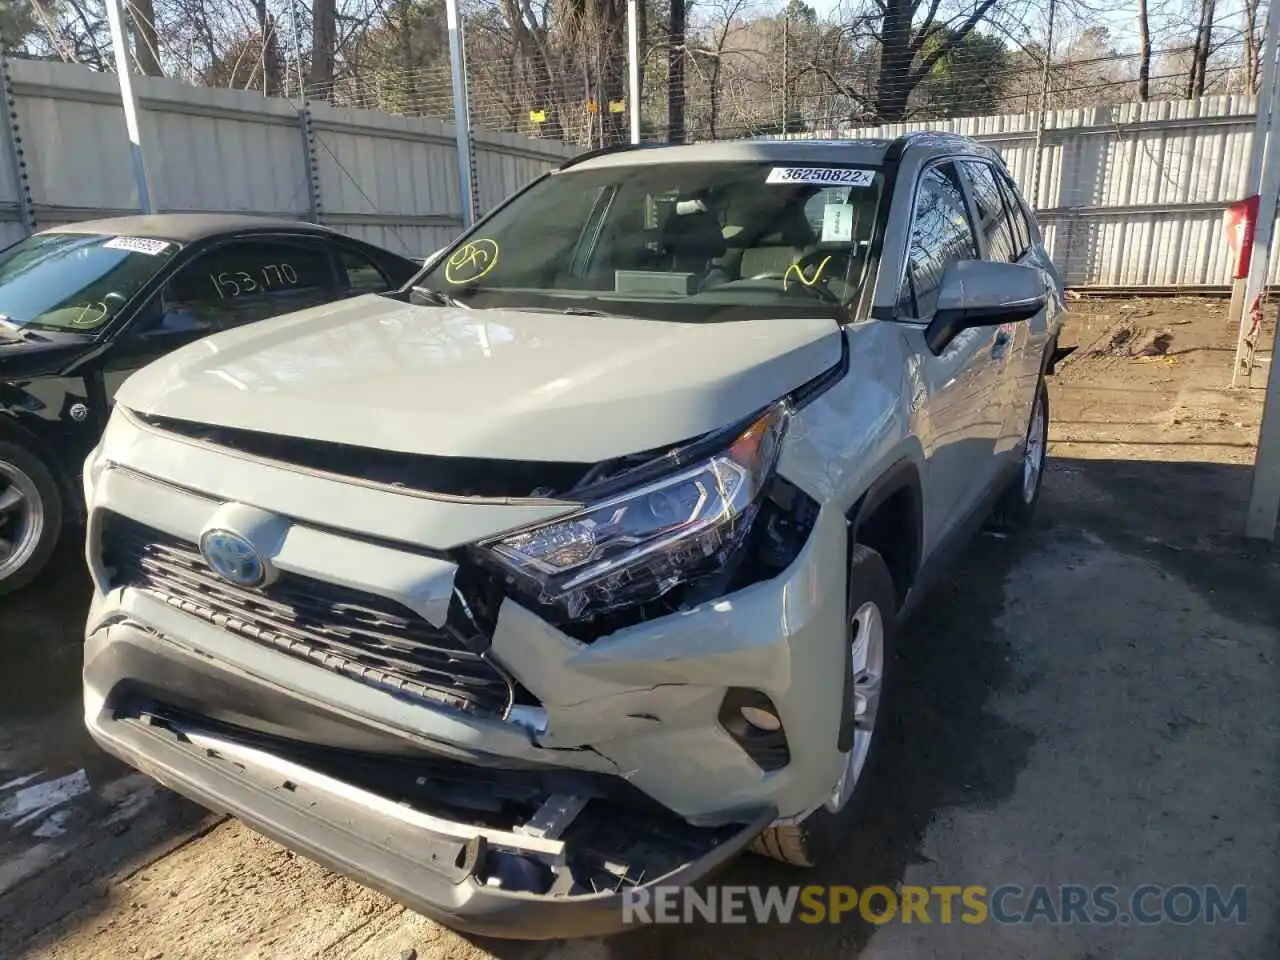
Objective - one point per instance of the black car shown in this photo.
(84, 305)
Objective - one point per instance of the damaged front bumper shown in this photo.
(265, 704)
(487, 881)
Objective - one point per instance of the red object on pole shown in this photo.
(1240, 220)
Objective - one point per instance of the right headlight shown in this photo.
(94, 465)
(637, 545)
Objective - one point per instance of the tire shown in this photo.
(30, 516)
(1017, 505)
(820, 834)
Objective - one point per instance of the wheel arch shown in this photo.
(891, 506)
(13, 432)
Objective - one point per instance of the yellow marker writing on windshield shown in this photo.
(799, 272)
(471, 261)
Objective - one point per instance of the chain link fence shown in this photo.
(1129, 151)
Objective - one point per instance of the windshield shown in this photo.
(73, 281)
(674, 241)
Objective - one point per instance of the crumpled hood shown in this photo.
(505, 384)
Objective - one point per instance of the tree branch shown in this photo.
(949, 41)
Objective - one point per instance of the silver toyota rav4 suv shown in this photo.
(577, 565)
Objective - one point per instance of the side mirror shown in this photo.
(983, 293)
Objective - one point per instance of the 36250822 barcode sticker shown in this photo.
(827, 176)
(138, 245)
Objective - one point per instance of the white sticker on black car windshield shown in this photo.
(827, 176)
(138, 245)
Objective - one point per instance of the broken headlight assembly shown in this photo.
(634, 546)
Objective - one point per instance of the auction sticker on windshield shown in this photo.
(137, 245)
(829, 176)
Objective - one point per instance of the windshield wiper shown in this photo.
(588, 312)
(16, 332)
(438, 297)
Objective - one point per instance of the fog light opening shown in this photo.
(761, 719)
(755, 725)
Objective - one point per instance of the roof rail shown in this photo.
(603, 151)
(934, 135)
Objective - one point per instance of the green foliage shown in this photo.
(799, 12)
(17, 22)
(969, 79)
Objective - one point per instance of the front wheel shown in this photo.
(870, 639)
(30, 516)
(1017, 504)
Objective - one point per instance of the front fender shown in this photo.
(857, 430)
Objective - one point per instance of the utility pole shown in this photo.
(633, 68)
(786, 66)
(461, 116)
(120, 48)
(1264, 495)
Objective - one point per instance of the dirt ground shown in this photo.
(1093, 703)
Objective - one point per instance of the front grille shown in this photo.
(367, 637)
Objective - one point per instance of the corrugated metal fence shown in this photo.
(391, 180)
(1130, 195)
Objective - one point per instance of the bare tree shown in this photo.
(146, 42)
(1252, 55)
(675, 73)
(1201, 50)
(323, 31)
(1144, 51)
(725, 19)
(903, 36)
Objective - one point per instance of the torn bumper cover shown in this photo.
(465, 876)
(336, 711)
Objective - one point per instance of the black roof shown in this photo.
(187, 227)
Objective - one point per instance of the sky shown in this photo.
(1121, 22)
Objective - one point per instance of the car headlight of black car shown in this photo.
(635, 545)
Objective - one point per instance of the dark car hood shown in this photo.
(24, 359)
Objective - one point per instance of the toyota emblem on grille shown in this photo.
(233, 558)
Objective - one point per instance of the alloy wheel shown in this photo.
(866, 675)
(21, 518)
(1034, 453)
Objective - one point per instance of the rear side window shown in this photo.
(993, 217)
(1017, 213)
(362, 274)
(249, 280)
(940, 234)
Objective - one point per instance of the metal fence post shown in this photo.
(310, 161)
(1246, 296)
(1264, 493)
(461, 116)
(115, 19)
(633, 68)
(13, 144)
